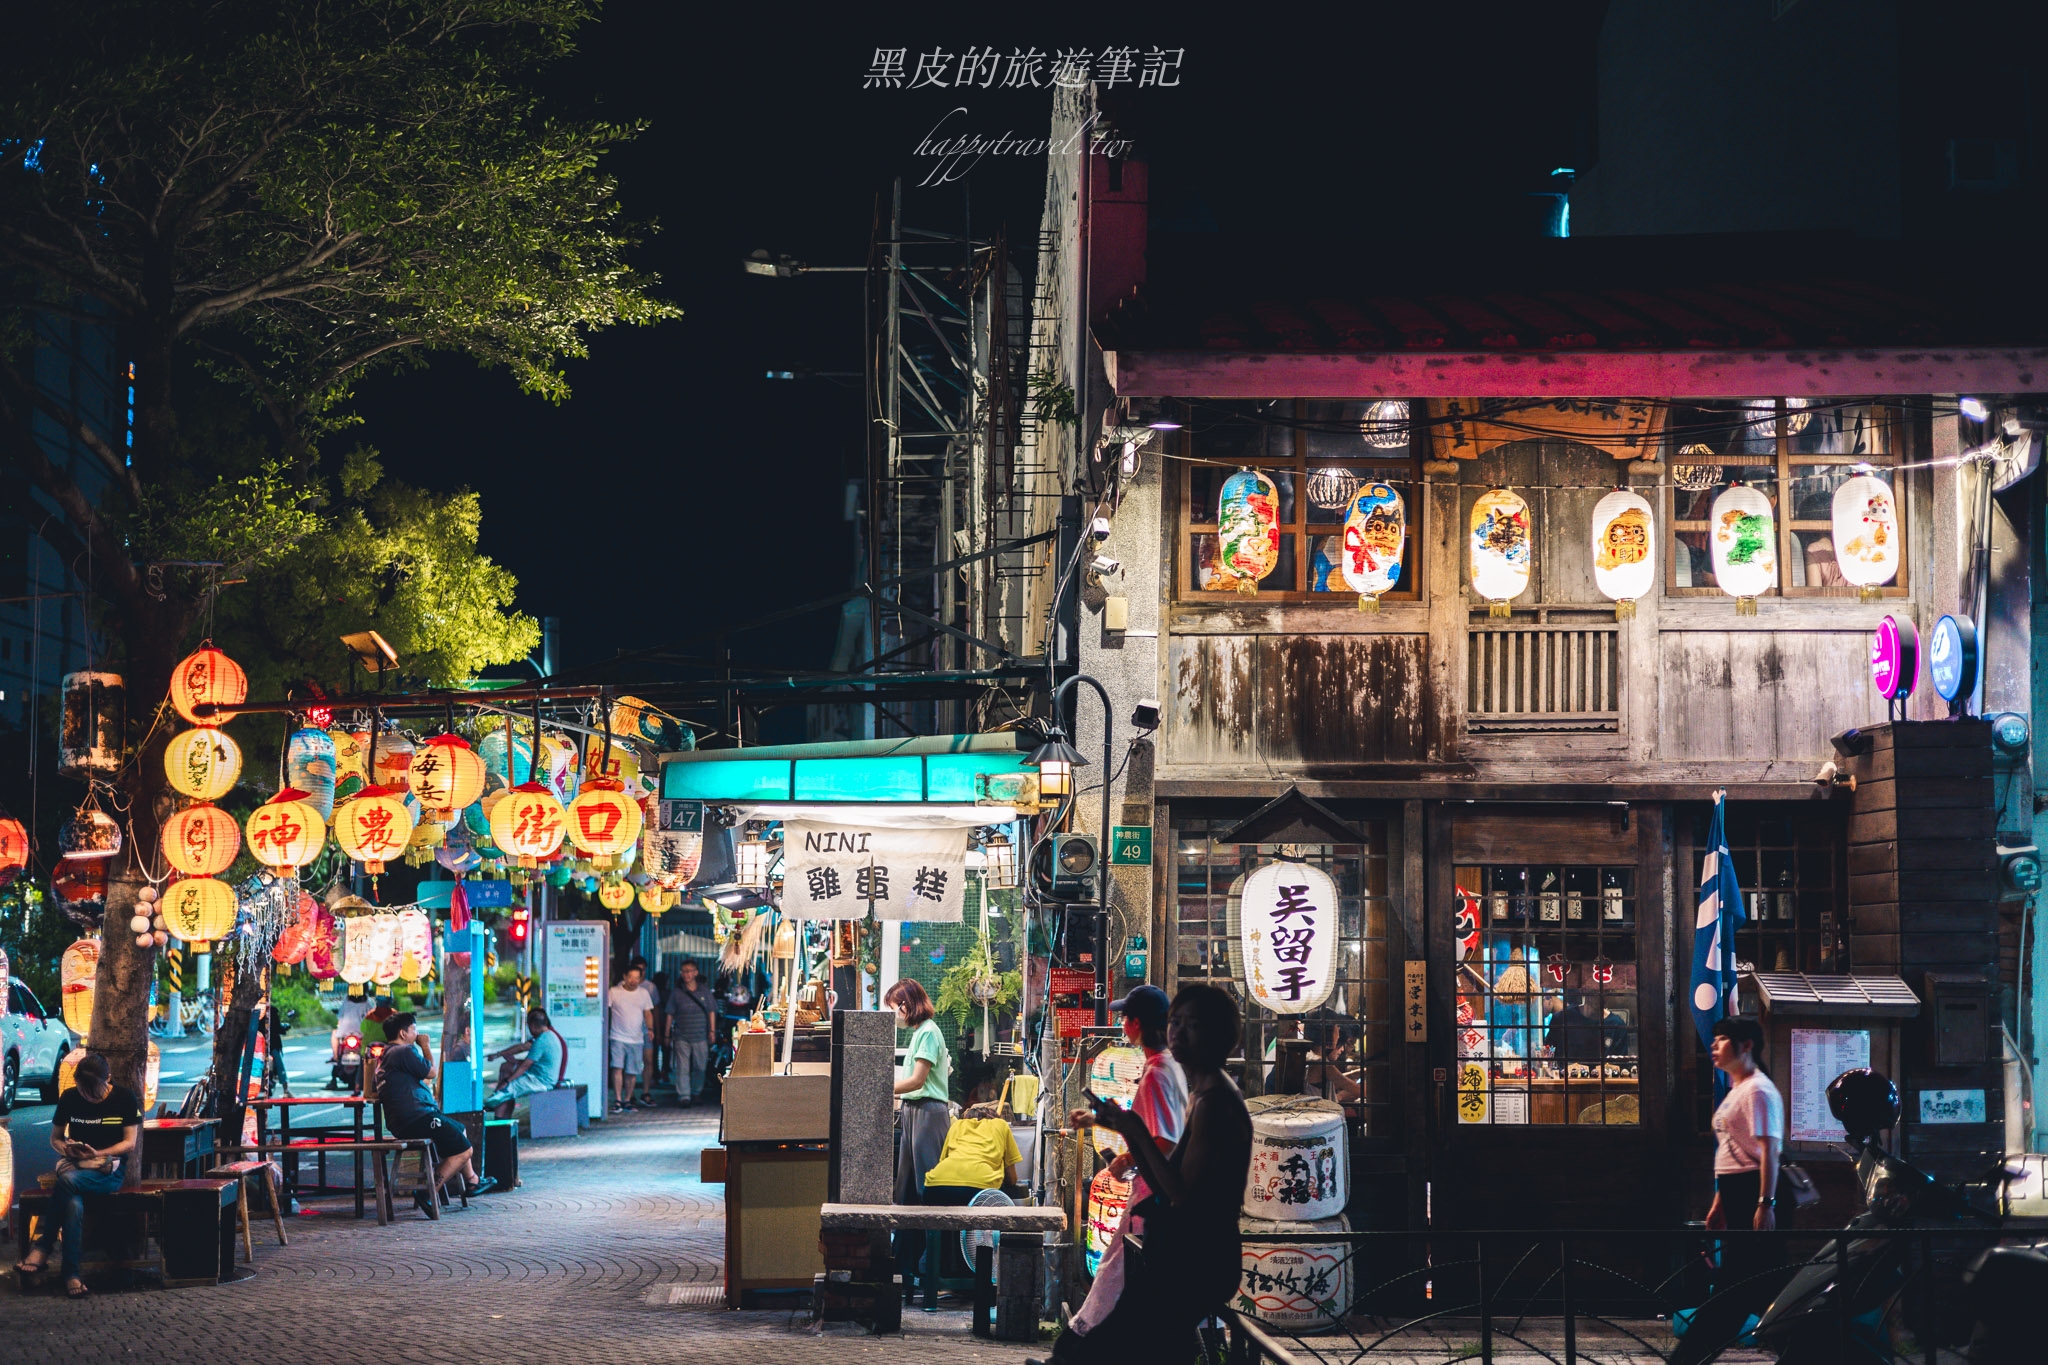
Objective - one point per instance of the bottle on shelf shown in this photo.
(1549, 902)
(1613, 898)
(1577, 886)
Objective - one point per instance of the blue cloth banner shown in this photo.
(1713, 937)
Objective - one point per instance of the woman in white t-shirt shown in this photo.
(1749, 1132)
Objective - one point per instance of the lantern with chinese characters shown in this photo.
(309, 765)
(201, 840)
(603, 820)
(78, 973)
(207, 677)
(199, 910)
(286, 833)
(1248, 528)
(1375, 529)
(1500, 549)
(203, 763)
(654, 898)
(528, 824)
(615, 894)
(374, 828)
(446, 775)
(1288, 914)
(1624, 549)
(1865, 523)
(1745, 545)
(13, 849)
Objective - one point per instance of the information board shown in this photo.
(575, 967)
(1818, 1056)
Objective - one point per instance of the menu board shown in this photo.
(1818, 1056)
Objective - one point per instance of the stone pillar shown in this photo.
(863, 1169)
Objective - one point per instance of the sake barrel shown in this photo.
(1295, 1287)
(1108, 1197)
(1301, 1168)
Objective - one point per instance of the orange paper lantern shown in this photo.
(528, 824)
(286, 832)
(207, 677)
(603, 820)
(199, 909)
(201, 840)
(13, 849)
(446, 775)
(373, 828)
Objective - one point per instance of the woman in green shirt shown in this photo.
(921, 1085)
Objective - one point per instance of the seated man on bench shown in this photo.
(97, 1126)
(542, 1068)
(410, 1107)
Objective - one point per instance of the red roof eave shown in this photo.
(1576, 374)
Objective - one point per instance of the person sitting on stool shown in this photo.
(409, 1106)
(529, 1067)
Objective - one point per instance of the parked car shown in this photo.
(32, 1043)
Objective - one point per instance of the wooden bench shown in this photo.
(239, 1172)
(381, 1152)
(194, 1229)
(1014, 1267)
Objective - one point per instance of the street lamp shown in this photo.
(1002, 861)
(1056, 760)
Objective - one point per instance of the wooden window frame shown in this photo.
(1301, 530)
(1785, 463)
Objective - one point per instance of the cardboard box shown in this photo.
(779, 1108)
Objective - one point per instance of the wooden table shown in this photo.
(363, 1112)
(176, 1149)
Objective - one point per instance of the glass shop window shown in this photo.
(1794, 892)
(1794, 453)
(1319, 455)
(1547, 1009)
(1353, 1034)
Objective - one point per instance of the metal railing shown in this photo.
(1592, 1295)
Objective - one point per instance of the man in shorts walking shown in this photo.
(631, 1025)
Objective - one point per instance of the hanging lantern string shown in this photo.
(1859, 464)
(1520, 414)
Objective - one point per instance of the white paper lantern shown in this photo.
(1624, 549)
(1375, 531)
(1500, 548)
(1866, 532)
(1287, 927)
(1745, 545)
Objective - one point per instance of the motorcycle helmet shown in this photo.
(1865, 1101)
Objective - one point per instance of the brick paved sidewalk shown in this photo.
(610, 1250)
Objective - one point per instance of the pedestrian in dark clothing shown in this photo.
(692, 1019)
(96, 1130)
(1188, 1263)
(410, 1110)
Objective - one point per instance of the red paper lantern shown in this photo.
(13, 850)
(207, 677)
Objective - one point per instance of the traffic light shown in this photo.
(518, 926)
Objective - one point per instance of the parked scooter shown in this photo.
(1858, 1284)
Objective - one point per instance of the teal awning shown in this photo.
(952, 769)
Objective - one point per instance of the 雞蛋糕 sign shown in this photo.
(833, 871)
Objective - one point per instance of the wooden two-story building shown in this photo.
(1510, 779)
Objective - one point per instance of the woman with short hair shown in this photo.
(921, 1086)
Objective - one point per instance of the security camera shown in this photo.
(1099, 529)
(1102, 566)
(1146, 714)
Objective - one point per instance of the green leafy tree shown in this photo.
(273, 200)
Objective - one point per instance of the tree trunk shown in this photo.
(120, 1011)
(230, 1038)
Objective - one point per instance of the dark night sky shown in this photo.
(680, 489)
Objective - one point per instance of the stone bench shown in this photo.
(561, 1112)
(848, 1233)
